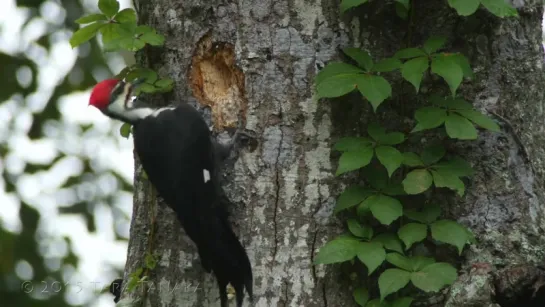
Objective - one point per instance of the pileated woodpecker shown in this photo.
(180, 158)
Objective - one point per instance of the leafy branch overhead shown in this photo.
(381, 232)
(119, 31)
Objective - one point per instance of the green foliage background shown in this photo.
(31, 243)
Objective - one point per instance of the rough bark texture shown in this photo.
(283, 190)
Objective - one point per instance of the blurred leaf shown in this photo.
(348, 4)
(84, 34)
(108, 7)
(125, 130)
(127, 15)
(91, 18)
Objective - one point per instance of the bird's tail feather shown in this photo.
(220, 251)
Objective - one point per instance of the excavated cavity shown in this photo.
(218, 83)
(520, 286)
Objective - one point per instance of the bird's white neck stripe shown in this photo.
(130, 113)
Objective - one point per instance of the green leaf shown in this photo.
(110, 32)
(372, 255)
(413, 71)
(420, 262)
(430, 117)
(125, 130)
(91, 18)
(352, 196)
(391, 281)
(455, 166)
(353, 160)
(374, 88)
(362, 231)
(417, 181)
(348, 4)
(363, 210)
(459, 127)
(447, 67)
(386, 65)
(389, 241)
(108, 7)
(353, 144)
(126, 16)
(399, 261)
(361, 296)
(390, 157)
(443, 179)
(129, 301)
(338, 250)
(464, 7)
(384, 208)
(463, 62)
(377, 303)
(147, 88)
(402, 302)
(480, 119)
(335, 69)
(379, 134)
(500, 8)
(401, 11)
(404, 3)
(409, 53)
(336, 86)
(411, 159)
(451, 103)
(153, 38)
(360, 56)
(150, 262)
(434, 43)
(434, 277)
(450, 232)
(412, 233)
(433, 153)
(394, 189)
(427, 215)
(167, 82)
(84, 34)
(150, 75)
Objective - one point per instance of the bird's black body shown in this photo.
(176, 151)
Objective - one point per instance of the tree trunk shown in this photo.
(253, 63)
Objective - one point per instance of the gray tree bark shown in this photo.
(253, 63)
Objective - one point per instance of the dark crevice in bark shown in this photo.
(520, 286)
(312, 249)
(286, 293)
(324, 294)
(277, 192)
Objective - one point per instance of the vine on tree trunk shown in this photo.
(377, 234)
